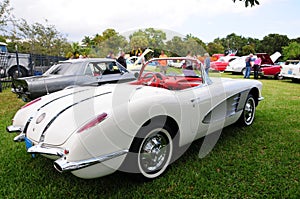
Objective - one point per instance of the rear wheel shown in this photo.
(247, 117)
(15, 73)
(151, 151)
(278, 77)
(243, 71)
(295, 80)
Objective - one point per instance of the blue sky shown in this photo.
(206, 19)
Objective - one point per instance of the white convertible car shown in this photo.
(137, 127)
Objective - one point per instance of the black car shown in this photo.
(70, 73)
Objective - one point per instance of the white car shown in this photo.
(136, 127)
(239, 65)
(291, 70)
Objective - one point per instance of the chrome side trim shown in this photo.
(42, 149)
(63, 165)
(14, 129)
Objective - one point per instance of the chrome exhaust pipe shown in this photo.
(62, 165)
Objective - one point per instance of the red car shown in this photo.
(268, 68)
(222, 63)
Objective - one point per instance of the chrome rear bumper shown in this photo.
(46, 150)
(62, 164)
(14, 129)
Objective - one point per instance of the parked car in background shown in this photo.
(29, 64)
(136, 127)
(222, 63)
(71, 73)
(175, 63)
(291, 70)
(268, 68)
(238, 65)
(135, 63)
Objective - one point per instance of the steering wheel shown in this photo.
(150, 78)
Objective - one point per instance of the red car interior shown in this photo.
(168, 82)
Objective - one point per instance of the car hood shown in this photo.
(267, 59)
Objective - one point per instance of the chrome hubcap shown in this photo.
(154, 152)
(249, 111)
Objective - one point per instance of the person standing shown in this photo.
(163, 63)
(256, 67)
(189, 63)
(248, 66)
(122, 59)
(206, 62)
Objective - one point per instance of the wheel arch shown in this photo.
(15, 67)
(169, 121)
(255, 93)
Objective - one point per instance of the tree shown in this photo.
(215, 48)
(246, 50)
(249, 2)
(102, 44)
(292, 51)
(176, 47)
(194, 47)
(148, 38)
(272, 43)
(5, 15)
(233, 42)
(296, 40)
(41, 39)
(88, 41)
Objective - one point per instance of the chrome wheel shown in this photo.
(155, 153)
(249, 111)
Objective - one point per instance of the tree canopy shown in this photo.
(5, 14)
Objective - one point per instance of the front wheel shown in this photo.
(151, 151)
(247, 117)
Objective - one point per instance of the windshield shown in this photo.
(65, 68)
(174, 67)
(171, 73)
(92, 68)
(3, 49)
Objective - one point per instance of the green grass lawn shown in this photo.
(261, 161)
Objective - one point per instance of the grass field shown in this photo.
(261, 161)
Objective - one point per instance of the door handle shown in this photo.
(195, 100)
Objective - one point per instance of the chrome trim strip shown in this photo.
(63, 165)
(14, 129)
(60, 98)
(42, 149)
